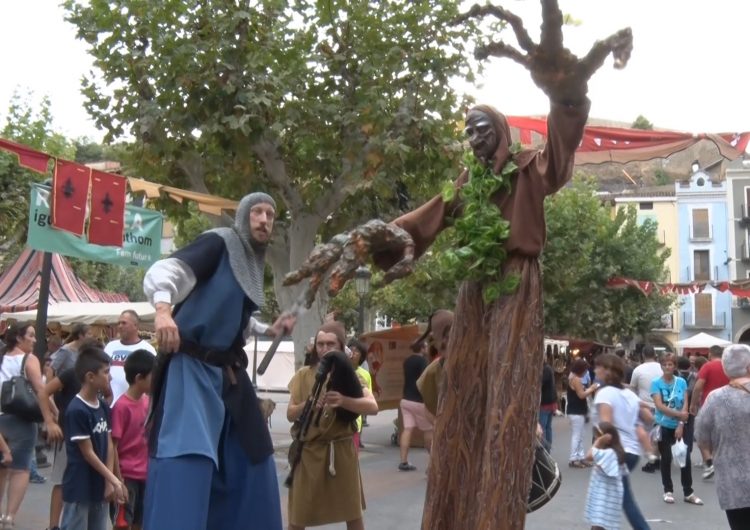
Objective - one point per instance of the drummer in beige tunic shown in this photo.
(327, 486)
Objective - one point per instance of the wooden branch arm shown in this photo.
(500, 49)
(620, 44)
(515, 22)
(551, 40)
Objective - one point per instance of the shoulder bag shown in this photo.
(17, 397)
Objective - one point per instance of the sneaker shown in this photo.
(651, 467)
(406, 466)
(37, 479)
(708, 472)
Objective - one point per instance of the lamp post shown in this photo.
(362, 284)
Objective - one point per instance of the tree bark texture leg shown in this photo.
(483, 445)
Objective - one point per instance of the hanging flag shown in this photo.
(27, 157)
(106, 222)
(70, 193)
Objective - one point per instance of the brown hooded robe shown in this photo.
(480, 473)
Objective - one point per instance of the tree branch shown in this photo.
(515, 22)
(620, 44)
(551, 40)
(268, 153)
(500, 49)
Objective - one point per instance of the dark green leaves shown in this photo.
(479, 234)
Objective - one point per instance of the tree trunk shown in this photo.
(287, 254)
(483, 448)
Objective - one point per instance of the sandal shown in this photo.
(669, 498)
(576, 464)
(693, 499)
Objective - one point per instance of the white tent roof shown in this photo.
(702, 340)
(67, 313)
(279, 372)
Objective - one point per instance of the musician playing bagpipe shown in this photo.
(325, 399)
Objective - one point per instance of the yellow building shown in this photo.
(659, 205)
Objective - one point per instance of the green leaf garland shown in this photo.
(478, 250)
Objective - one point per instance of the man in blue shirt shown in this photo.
(211, 460)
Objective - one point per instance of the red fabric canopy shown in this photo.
(610, 144)
(19, 284)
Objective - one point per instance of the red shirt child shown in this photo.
(129, 436)
(129, 433)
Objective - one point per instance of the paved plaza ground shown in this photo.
(394, 498)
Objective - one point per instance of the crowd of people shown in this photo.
(92, 400)
(660, 408)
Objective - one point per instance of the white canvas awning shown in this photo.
(102, 313)
(702, 340)
(279, 371)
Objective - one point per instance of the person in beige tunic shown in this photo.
(326, 484)
(437, 333)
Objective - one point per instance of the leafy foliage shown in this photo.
(334, 107)
(642, 123)
(587, 245)
(478, 250)
(28, 123)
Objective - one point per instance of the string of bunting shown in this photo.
(740, 288)
(78, 190)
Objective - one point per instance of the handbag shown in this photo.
(17, 397)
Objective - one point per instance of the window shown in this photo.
(703, 310)
(645, 205)
(700, 224)
(701, 265)
(746, 206)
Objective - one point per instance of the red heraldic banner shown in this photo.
(70, 193)
(107, 220)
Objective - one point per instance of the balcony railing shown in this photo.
(691, 321)
(744, 254)
(713, 276)
(744, 217)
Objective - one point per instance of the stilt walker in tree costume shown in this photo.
(211, 462)
(484, 439)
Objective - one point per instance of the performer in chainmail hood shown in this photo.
(211, 463)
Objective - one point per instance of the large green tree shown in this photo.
(27, 122)
(587, 244)
(341, 109)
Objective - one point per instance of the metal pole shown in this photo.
(41, 311)
(255, 363)
(361, 327)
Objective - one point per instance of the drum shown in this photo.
(545, 479)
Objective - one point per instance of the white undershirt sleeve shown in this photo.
(168, 280)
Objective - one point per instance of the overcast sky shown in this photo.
(689, 68)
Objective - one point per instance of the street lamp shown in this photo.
(362, 284)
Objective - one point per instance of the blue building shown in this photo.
(703, 244)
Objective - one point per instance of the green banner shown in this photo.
(141, 244)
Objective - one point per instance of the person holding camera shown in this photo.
(326, 486)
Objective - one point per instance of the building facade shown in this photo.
(703, 255)
(738, 204)
(659, 205)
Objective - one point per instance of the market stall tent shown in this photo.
(92, 313)
(701, 340)
(19, 284)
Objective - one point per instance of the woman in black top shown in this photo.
(413, 412)
(577, 410)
